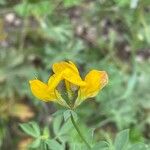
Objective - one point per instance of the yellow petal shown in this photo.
(54, 81)
(73, 66)
(69, 72)
(73, 78)
(95, 81)
(41, 90)
(61, 66)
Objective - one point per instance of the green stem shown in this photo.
(79, 132)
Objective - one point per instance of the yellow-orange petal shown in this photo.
(95, 81)
(41, 90)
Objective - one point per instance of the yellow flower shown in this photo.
(95, 81)
(66, 87)
(47, 92)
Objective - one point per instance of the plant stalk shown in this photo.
(79, 132)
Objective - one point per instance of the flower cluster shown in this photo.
(66, 87)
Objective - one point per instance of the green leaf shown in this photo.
(121, 140)
(102, 145)
(58, 112)
(46, 132)
(60, 127)
(139, 146)
(131, 85)
(35, 144)
(39, 8)
(54, 145)
(70, 3)
(57, 124)
(74, 114)
(2, 2)
(31, 129)
(22, 9)
(78, 146)
(66, 127)
(67, 115)
(42, 8)
(90, 134)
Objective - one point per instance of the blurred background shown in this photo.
(95, 34)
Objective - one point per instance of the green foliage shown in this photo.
(100, 34)
(70, 3)
(13, 73)
(41, 140)
(139, 146)
(31, 129)
(44, 139)
(122, 140)
(38, 8)
(101, 145)
(2, 2)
